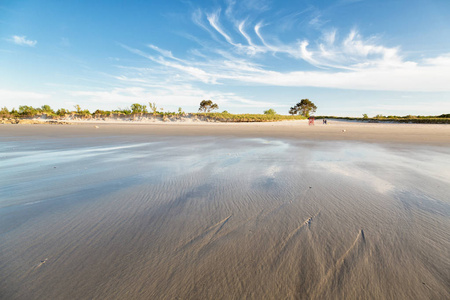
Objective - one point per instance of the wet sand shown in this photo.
(225, 211)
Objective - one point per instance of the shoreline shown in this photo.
(151, 118)
(335, 130)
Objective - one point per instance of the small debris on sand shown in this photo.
(41, 263)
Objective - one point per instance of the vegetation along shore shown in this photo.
(136, 112)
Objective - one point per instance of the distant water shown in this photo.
(204, 217)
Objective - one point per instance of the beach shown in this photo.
(279, 210)
(430, 134)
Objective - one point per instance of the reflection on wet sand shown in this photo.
(208, 218)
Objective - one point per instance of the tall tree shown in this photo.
(305, 107)
(207, 106)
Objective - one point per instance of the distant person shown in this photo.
(311, 121)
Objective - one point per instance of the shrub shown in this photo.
(4, 113)
(270, 112)
(46, 109)
(153, 108)
(62, 112)
(27, 111)
(227, 117)
(137, 108)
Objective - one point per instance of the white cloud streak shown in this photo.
(353, 52)
(194, 72)
(213, 20)
(387, 71)
(350, 62)
(22, 41)
(244, 34)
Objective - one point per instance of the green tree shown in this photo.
(62, 112)
(14, 112)
(365, 116)
(102, 112)
(46, 109)
(207, 106)
(138, 108)
(84, 113)
(305, 107)
(293, 111)
(270, 111)
(27, 111)
(4, 113)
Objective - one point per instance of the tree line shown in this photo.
(305, 107)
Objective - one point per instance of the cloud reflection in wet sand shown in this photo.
(204, 217)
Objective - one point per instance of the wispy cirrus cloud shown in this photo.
(244, 50)
(215, 26)
(351, 63)
(213, 20)
(169, 61)
(241, 27)
(351, 52)
(23, 41)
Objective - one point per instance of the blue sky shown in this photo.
(349, 57)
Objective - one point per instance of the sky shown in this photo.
(349, 57)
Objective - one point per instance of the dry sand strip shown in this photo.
(433, 134)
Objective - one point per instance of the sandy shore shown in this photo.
(225, 211)
(433, 134)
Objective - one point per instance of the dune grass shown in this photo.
(227, 117)
(441, 119)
